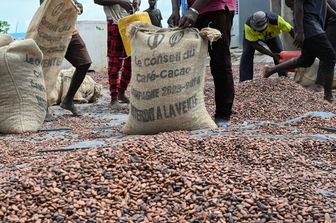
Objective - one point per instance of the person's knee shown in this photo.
(84, 66)
(304, 63)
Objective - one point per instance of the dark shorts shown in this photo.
(77, 53)
(317, 46)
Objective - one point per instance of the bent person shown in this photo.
(266, 28)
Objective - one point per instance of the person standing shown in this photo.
(78, 55)
(154, 13)
(310, 18)
(266, 28)
(117, 59)
(216, 14)
(331, 34)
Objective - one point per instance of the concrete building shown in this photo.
(95, 37)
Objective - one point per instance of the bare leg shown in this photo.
(76, 81)
(290, 64)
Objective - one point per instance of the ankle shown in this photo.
(328, 97)
(66, 102)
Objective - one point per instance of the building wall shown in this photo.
(94, 34)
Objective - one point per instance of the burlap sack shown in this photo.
(307, 76)
(5, 40)
(23, 99)
(167, 84)
(59, 87)
(52, 27)
(88, 92)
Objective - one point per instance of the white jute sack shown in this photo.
(167, 84)
(88, 92)
(307, 76)
(23, 99)
(52, 27)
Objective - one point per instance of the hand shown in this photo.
(126, 4)
(174, 19)
(188, 20)
(298, 39)
(276, 57)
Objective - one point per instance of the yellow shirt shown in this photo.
(276, 25)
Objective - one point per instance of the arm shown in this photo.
(126, 4)
(298, 15)
(257, 46)
(285, 26)
(175, 16)
(292, 33)
(106, 2)
(192, 14)
(160, 15)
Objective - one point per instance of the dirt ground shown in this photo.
(275, 163)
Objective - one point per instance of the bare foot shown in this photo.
(266, 72)
(71, 107)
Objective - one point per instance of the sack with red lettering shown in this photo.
(167, 84)
(23, 99)
(52, 27)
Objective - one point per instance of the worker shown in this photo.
(310, 36)
(118, 62)
(217, 14)
(259, 28)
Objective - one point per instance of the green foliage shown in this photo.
(4, 26)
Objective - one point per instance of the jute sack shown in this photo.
(88, 92)
(307, 76)
(23, 99)
(167, 84)
(52, 27)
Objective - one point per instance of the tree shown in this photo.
(4, 26)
